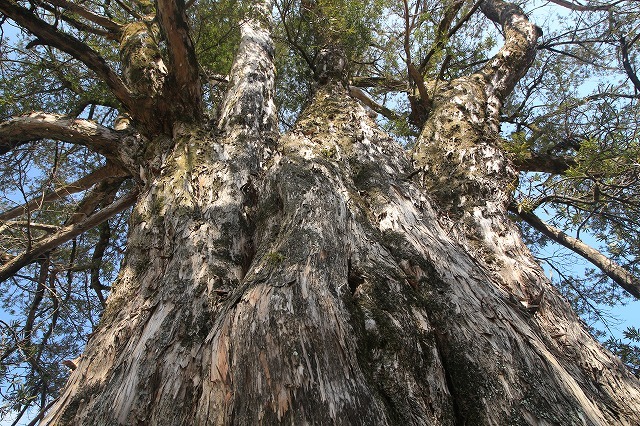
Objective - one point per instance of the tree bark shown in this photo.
(357, 307)
(303, 279)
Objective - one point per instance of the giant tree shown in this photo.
(307, 269)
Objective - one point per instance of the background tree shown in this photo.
(352, 258)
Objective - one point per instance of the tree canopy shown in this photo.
(80, 80)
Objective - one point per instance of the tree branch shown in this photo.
(536, 162)
(183, 64)
(380, 109)
(65, 234)
(627, 65)
(97, 259)
(39, 125)
(617, 273)
(105, 23)
(25, 223)
(82, 184)
(380, 82)
(444, 32)
(515, 57)
(76, 24)
(68, 44)
(580, 7)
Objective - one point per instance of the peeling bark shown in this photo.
(357, 307)
(301, 279)
(249, 105)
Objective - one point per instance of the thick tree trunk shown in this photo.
(328, 291)
(311, 279)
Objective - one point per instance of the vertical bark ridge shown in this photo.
(189, 247)
(472, 315)
(287, 342)
(475, 182)
(249, 104)
(308, 283)
(184, 256)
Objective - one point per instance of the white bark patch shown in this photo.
(125, 397)
(249, 103)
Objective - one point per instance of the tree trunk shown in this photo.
(313, 278)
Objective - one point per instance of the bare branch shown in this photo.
(380, 82)
(97, 260)
(579, 7)
(101, 194)
(617, 273)
(291, 39)
(76, 24)
(380, 109)
(65, 234)
(106, 23)
(39, 125)
(129, 10)
(627, 64)
(82, 184)
(25, 223)
(68, 44)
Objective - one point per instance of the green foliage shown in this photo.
(577, 102)
(628, 349)
(216, 33)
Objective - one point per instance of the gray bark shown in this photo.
(302, 279)
(359, 306)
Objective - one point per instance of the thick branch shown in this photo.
(65, 234)
(380, 82)
(39, 125)
(535, 162)
(614, 271)
(80, 185)
(183, 65)
(380, 109)
(68, 44)
(516, 55)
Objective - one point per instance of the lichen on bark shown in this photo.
(303, 278)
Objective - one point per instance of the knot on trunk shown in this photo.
(331, 64)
